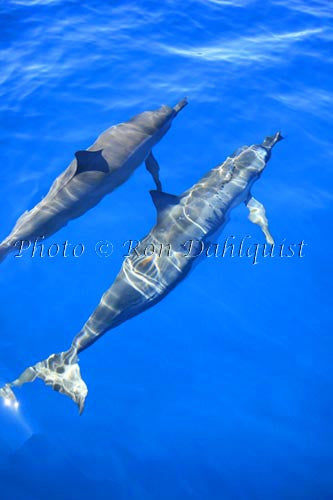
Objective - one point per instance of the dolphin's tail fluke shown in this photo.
(60, 371)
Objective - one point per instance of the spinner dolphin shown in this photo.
(95, 172)
(144, 280)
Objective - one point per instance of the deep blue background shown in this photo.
(224, 389)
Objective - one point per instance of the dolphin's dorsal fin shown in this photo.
(163, 200)
(91, 161)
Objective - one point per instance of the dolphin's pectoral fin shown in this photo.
(153, 168)
(60, 371)
(257, 215)
(91, 161)
(163, 200)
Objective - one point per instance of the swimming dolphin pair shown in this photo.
(144, 280)
(95, 172)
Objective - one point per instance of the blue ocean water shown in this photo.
(223, 390)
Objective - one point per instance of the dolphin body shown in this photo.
(95, 172)
(144, 280)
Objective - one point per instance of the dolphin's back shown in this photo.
(120, 141)
(92, 174)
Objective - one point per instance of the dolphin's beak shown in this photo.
(180, 105)
(271, 140)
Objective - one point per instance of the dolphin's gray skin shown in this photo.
(144, 280)
(94, 173)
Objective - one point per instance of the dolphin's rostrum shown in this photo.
(142, 281)
(95, 172)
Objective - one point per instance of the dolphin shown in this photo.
(95, 172)
(143, 280)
